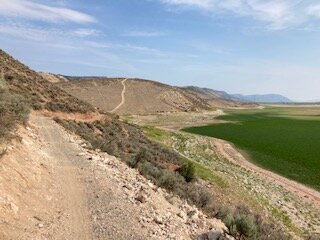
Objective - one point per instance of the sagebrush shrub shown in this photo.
(187, 170)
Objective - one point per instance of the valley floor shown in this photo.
(236, 180)
(53, 187)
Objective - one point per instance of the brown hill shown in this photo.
(36, 91)
(140, 96)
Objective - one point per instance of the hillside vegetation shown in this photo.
(13, 110)
(37, 92)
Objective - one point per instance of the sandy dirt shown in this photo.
(83, 117)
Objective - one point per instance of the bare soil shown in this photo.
(141, 96)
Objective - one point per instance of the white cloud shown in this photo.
(85, 32)
(35, 11)
(278, 14)
(314, 10)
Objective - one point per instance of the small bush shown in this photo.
(222, 212)
(13, 110)
(168, 180)
(142, 155)
(245, 226)
(199, 196)
(187, 170)
(148, 170)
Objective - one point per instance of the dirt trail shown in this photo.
(83, 117)
(42, 195)
(73, 196)
(230, 153)
(123, 100)
(53, 187)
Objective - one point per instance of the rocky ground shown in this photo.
(53, 187)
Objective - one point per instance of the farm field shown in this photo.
(285, 140)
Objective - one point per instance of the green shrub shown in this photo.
(148, 170)
(199, 196)
(168, 180)
(220, 211)
(142, 155)
(187, 170)
(246, 227)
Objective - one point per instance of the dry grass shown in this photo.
(141, 96)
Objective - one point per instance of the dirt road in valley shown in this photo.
(227, 151)
(123, 99)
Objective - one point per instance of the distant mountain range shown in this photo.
(208, 93)
(263, 98)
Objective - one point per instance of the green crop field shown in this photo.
(283, 140)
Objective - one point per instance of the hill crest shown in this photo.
(143, 96)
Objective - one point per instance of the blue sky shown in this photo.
(240, 46)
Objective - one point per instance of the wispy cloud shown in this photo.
(35, 11)
(31, 33)
(44, 34)
(278, 14)
(85, 32)
(203, 4)
(127, 47)
(144, 34)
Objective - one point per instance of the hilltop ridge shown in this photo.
(143, 96)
